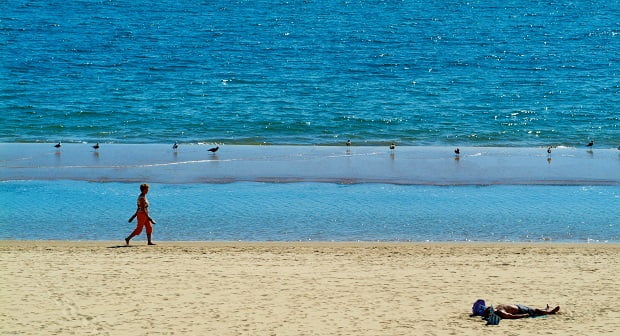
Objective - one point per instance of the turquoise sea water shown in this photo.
(492, 77)
(477, 73)
(313, 212)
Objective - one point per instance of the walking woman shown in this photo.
(142, 213)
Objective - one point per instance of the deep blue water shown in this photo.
(312, 211)
(476, 73)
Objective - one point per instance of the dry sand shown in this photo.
(177, 288)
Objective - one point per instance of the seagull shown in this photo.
(96, 146)
(392, 146)
(590, 144)
(214, 149)
(549, 150)
(58, 145)
(348, 143)
(457, 151)
(175, 146)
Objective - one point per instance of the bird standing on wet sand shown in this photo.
(457, 151)
(392, 146)
(549, 150)
(348, 143)
(96, 146)
(58, 145)
(175, 146)
(590, 144)
(214, 149)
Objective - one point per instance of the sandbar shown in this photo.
(158, 163)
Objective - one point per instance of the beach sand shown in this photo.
(219, 288)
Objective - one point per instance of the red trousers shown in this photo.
(143, 222)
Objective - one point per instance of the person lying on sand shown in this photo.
(508, 311)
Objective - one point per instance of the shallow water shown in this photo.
(338, 164)
(250, 211)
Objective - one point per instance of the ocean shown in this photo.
(478, 73)
(280, 86)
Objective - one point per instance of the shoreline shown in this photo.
(283, 288)
(138, 241)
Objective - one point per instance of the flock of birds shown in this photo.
(392, 147)
(174, 147)
(457, 151)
